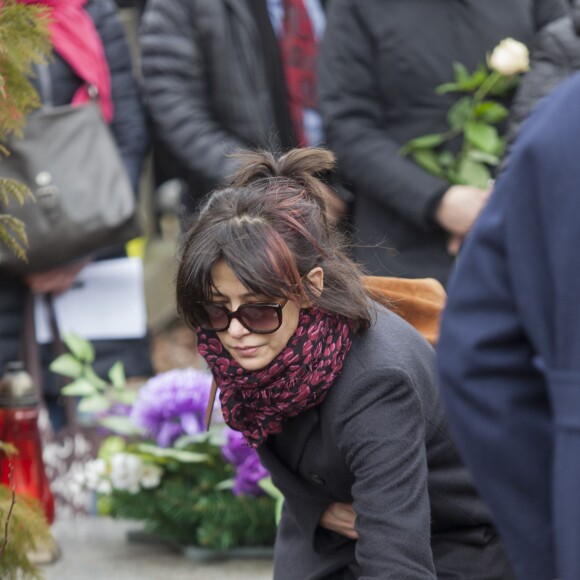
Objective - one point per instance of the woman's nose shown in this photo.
(237, 329)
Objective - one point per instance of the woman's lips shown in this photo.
(247, 350)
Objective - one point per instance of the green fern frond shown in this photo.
(27, 529)
(24, 41)
(14, 190)
(13, 235)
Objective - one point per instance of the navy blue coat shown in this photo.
(509, 353)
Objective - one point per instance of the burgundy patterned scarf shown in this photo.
(258, 402)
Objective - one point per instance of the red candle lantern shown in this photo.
(19, 426)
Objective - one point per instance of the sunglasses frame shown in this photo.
(235, 314)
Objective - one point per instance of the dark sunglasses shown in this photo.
(257, 318)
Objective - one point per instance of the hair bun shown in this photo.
(298, 164)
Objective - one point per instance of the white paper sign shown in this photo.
(107, 301)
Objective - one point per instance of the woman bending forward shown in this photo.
(337, 394)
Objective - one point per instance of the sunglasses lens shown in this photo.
(260, 318)
(213, 317)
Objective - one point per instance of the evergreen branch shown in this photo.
(10, 509)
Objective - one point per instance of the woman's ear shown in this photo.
(316, 279)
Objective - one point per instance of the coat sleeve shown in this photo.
(551, 64)
(546, 11)
(353, 121)
(382, 436)
(509, 350)
(177, 91)
(129, 124)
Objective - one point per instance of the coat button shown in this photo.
(315, 478)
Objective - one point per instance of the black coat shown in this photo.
(380, 440)
(205, 69)
(380, 64)
(555, 57)
(215, 84)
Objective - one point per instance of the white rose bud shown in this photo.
(151, 476)
(509, 58)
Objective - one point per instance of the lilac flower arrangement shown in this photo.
(160, 467)
(173, 404)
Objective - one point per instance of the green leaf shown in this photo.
(447, 88)
(446, 159)
(79, 388)
(490, 112)
(117, 375)
(93, 378)
(483, 157)
(475, 80)
(121, 425)
(504, 86)
(424, 142)
(67, 365)
(94, 404)
(268, 486)
(461, 73)
(224, 485)
(460, 113)
(429, 161)
(483, 136)
(474, 173)
(124, 396)
(111, 446)
(81, 349)
(169, 453)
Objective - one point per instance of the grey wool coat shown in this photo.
(380, 440)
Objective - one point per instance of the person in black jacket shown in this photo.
(380, 63)
(215, 82)
(128, 126)
(555, 57)
(337, 393)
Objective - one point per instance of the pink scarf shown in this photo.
(77, 41)
(258, 402)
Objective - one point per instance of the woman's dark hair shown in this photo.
(270, 227)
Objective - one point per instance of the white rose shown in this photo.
(509, 58)
(151, 476)
(126, 470)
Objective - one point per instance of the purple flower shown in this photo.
(172, 404)
(249, 470)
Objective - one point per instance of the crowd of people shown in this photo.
(284, 121)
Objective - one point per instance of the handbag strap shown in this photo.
(45, 85)
(59, 348)
(29, 346)
(31, 351)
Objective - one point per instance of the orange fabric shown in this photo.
(419, 301)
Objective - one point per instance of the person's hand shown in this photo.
(340, 518)
(459, 208)
(55, 281)
(454, 244)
